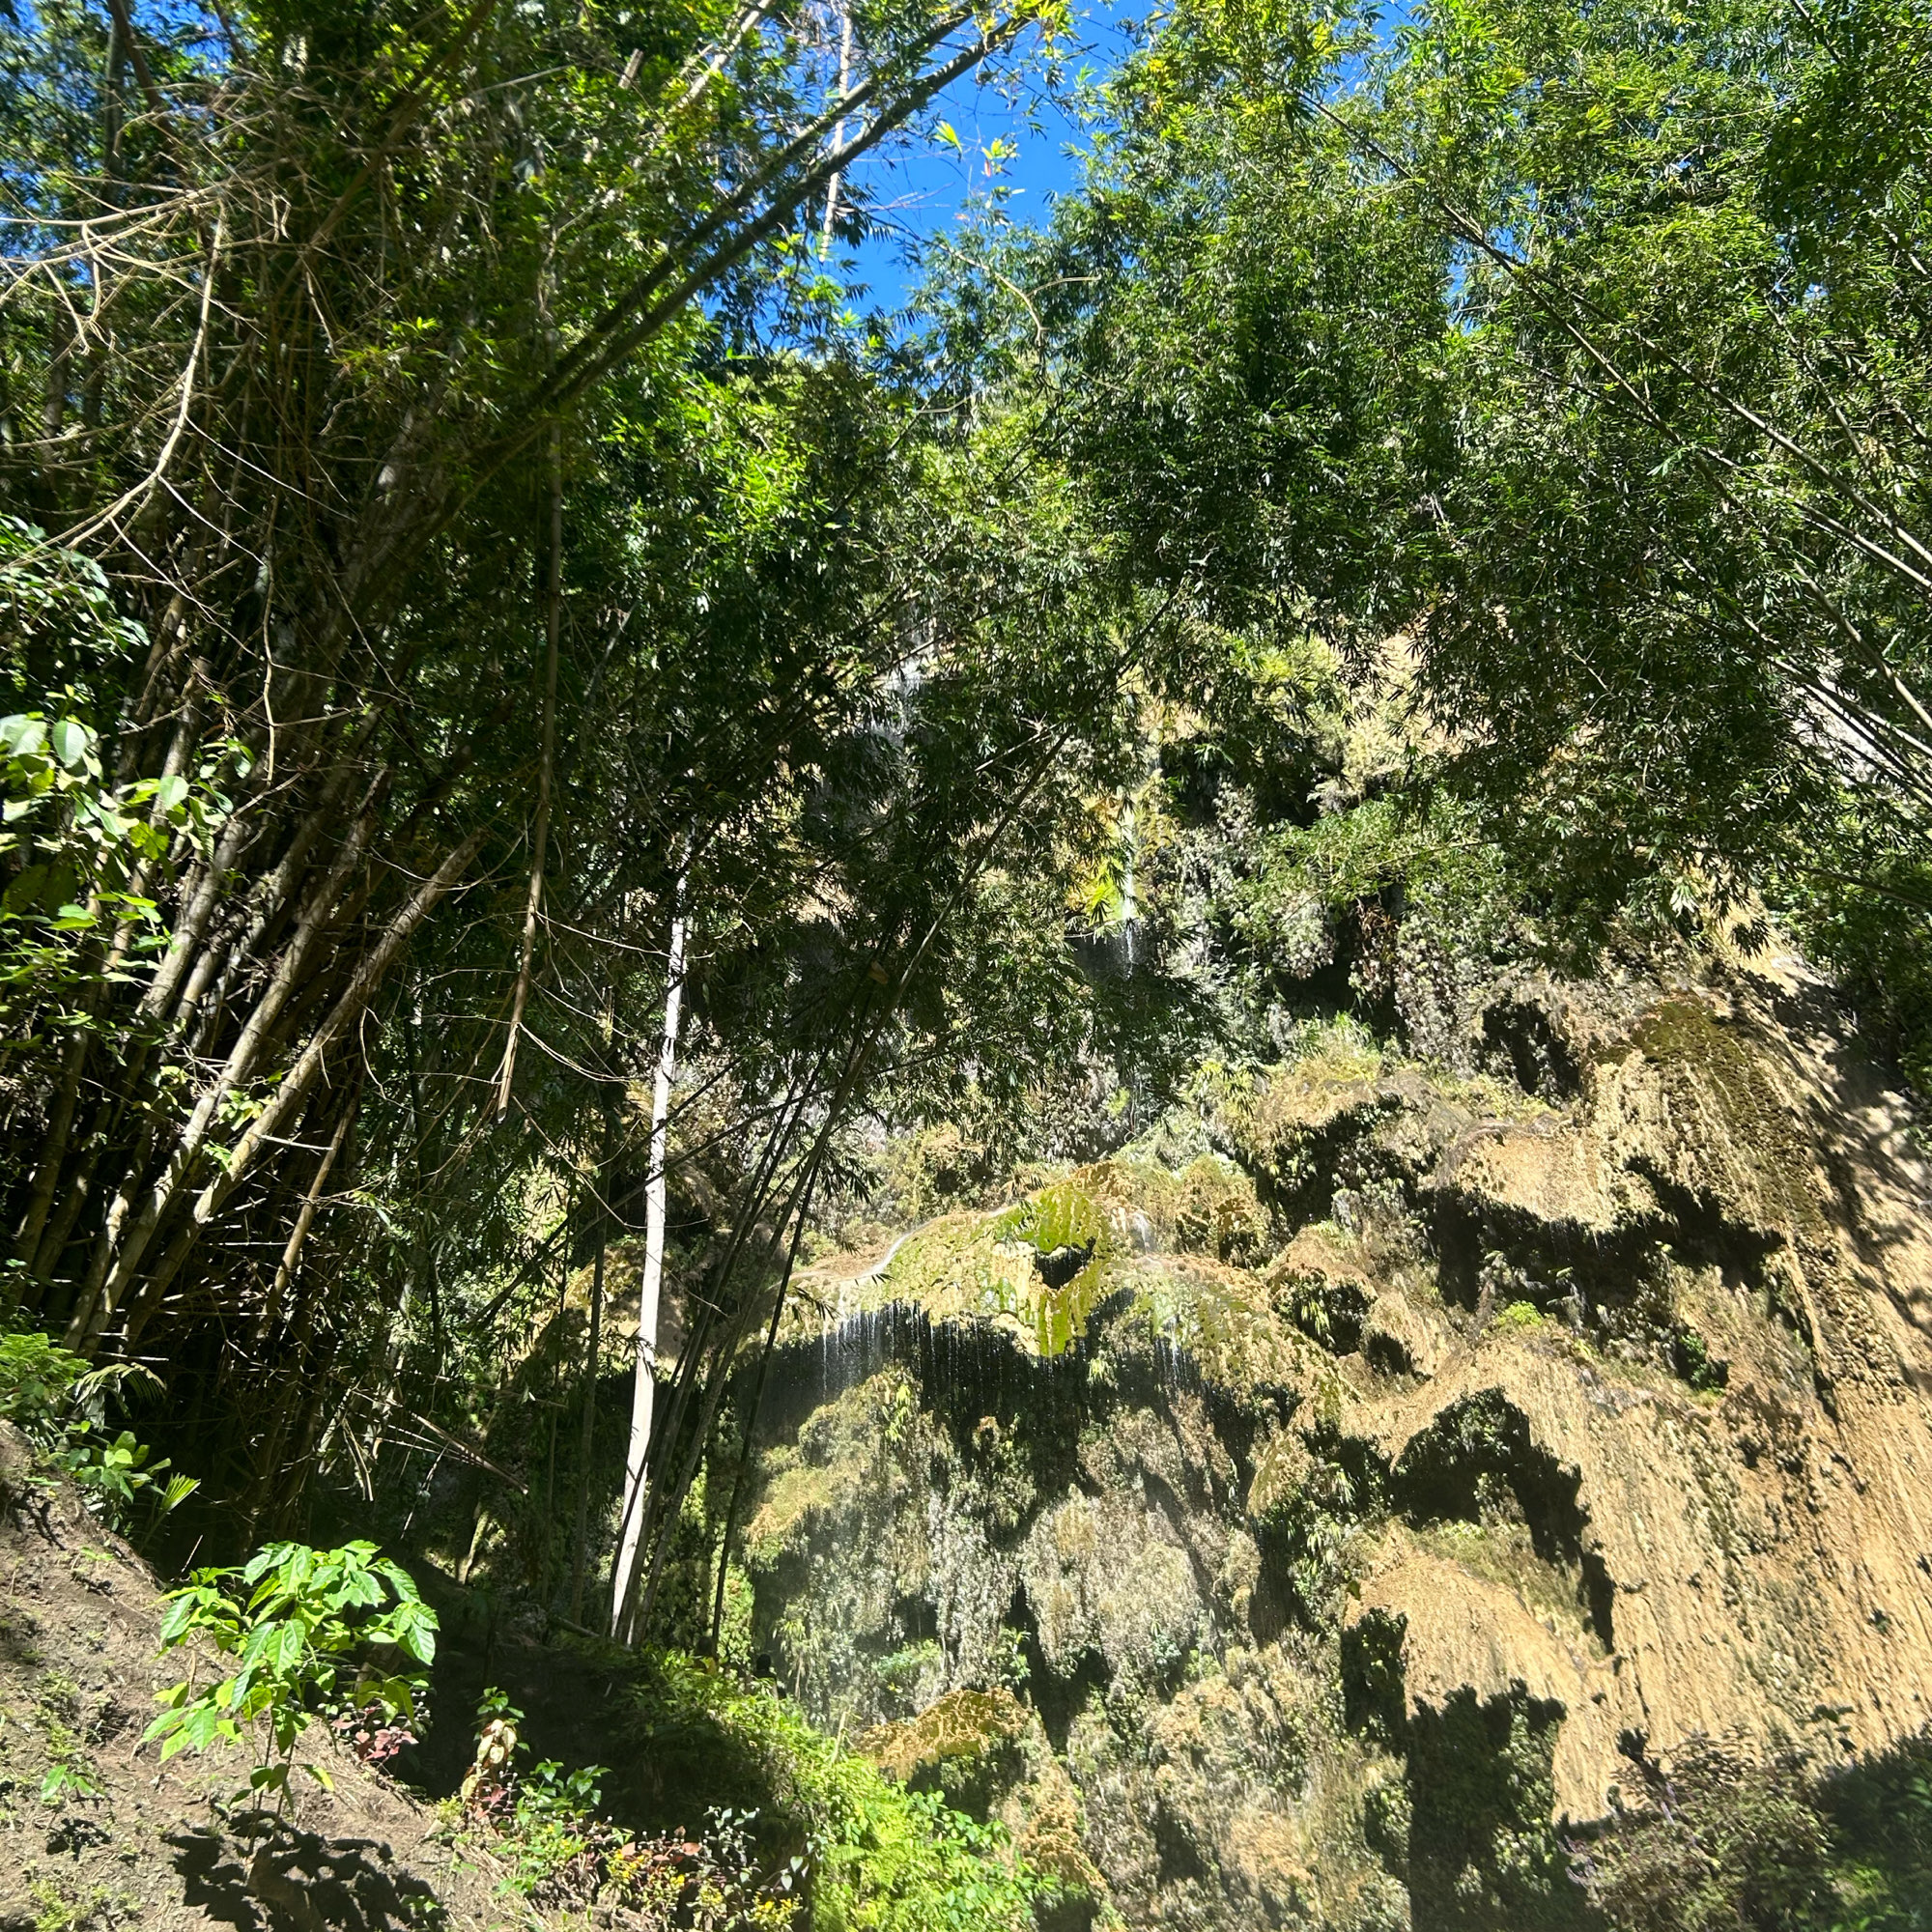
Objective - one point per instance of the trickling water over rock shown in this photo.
(1415, 1472)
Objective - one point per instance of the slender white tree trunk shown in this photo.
(643, 1399)
(839, 133)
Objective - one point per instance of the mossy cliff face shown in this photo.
(1443, 1448)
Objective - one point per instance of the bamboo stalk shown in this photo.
(305, 1071)
(89, 1321)
(131, 1227)
(304, 1220)
(546, 759)
(587, 1437)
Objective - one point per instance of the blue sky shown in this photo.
(918, 192)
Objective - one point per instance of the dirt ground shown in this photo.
(127, 1840)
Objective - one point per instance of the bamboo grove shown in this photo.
(367, 462)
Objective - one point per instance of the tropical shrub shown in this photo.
(876, 1856)
(59, 1403)
(300, 1624)
(1722, 1845)
(562, 1854)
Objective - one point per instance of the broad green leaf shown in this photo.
(203, 1723)
(23, 735)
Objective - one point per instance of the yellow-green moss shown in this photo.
(1521, 1315)
(1683, 1035)
(1482, 1095)
(1209, 1207)
(850, 1452)
(1280, 1471)
(794, 1493)
(1503, 1553)
(961, 1725)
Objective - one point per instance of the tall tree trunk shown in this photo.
(643, 1399)
(832, 186)
(586, 1439)
(546, 761)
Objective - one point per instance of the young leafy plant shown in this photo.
(564, 1854)
(69, 1777)
(70, 1772)
(312, 1633)
(60, 1404)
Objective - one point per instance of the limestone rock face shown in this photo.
(1447, 1447)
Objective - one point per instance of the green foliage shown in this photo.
(1314, 1528)
(1480, 1853)
(1881, 1819)
(278, 727)
(1692, 1359)
(61, 627)
(1725, 1843)
(1722, 1844)
(881, 1858)
(300, 1625)
(117, 1471)
(59, 1403)
(1245, 326)
(551, 1833)
(38, 1379)
(1676, 612)
(1582, 350)
(544, 1822)
(94, 1909)
(79, 848)
(496, 1703)
(69, 1777)
(1060, 1216)
(70, 1772)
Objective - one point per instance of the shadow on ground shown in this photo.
(278, 1879)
